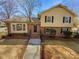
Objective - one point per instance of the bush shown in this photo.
(77, 35)
(9, 34)
(25, 34)
(50, 31)
(67, 34)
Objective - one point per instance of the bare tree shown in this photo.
(28, 7)
(2, 2)
(8, 9)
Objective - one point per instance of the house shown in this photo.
(58, 18)
(3, 29)
(16, 25)
(21, 25)
(75, 27)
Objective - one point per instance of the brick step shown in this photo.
(35, 36)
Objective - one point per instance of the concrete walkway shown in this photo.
(33, 51)
(35, 41)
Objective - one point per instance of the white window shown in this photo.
(66, 19)
(49, 18)
(64, 29)
(24, 27)
(13, 27)
(18, 27)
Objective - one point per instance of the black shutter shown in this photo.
(61, 30)
(52, 19)
(67, 29)
(63, 19)
(45, 18)
(69, 19)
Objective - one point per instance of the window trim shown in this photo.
(49, 20)
(62, 29)
(21, 26)
(24, 27)
(14, 27)
(66, 20)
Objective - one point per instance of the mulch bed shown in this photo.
(60, 38)
(17, 36)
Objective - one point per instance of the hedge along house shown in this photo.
(58, 18)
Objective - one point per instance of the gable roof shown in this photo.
(62, 6)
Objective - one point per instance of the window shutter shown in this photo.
(61, 30)
(52, 19)
(69, 19)
(67, 29)
(45, 18)
(63, 19)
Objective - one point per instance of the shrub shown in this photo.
(25, 34)
(77, 35)
(67, 34)
(53, 32)
(50, 31)
(9, 34)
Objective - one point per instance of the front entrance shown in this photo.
(35, 31)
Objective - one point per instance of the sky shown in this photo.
(46, 4)
(71, 4)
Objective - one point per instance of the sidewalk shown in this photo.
(35, 41)
(32, 51)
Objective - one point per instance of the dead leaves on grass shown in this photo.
(59, 52)
(11, 51)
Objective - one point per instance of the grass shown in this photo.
(14, 42)
(12, 48)
(12, 51)
(70, 44)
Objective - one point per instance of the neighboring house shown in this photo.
(59, 18)
(3, 29)
(75, 27)
(2, 23)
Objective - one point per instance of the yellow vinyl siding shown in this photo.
(58, 14)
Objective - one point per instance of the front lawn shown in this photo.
(12, 48)
(74, 45)
(12, 51)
